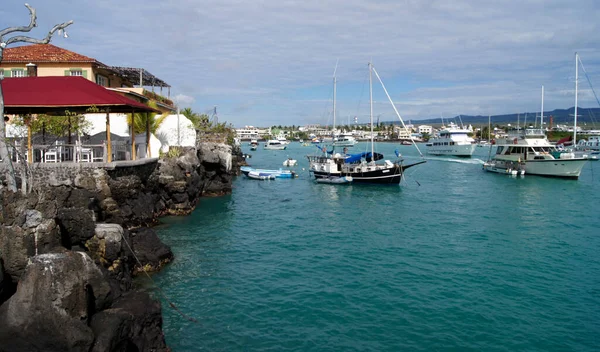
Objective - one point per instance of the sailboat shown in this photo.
(360, 167)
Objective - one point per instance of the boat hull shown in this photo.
(465, 151)
(564, 168)
(382, 174)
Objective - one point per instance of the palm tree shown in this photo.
(147, 121)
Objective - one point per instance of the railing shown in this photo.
(70, 153)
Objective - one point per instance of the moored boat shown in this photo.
(452, 141)
(260, 175)
(362, 167)
(280, 173)
(290, 162)
(274, 144)
(534, 154)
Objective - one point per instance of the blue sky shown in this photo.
(271, 62)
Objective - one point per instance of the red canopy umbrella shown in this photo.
(56, 95)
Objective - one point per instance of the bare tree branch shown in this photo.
(32, 24)
(4, 154)
(21, 38)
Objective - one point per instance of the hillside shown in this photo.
(587, 116)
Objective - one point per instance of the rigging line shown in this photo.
(362, 91)
(395, 110)
(171, 304)
(589, 81)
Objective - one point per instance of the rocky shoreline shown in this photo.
(69, 251)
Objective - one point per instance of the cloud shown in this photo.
(182, 100)
(263, 62)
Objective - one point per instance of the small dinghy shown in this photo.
(290, 162)
(260, 175)
(335, 179)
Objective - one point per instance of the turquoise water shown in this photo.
(452, 259)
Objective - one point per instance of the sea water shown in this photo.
(453, 258)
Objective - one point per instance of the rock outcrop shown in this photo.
(69, 251)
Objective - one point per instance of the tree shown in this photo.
(10, 173)
(143, 119)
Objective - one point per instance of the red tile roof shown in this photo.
(38, 53)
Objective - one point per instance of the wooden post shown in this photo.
(148, 152)
(108, 143)
(132, 135)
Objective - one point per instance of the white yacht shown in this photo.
(344, 140)
(592, 143)
(533, 154)
(452, 141)
(274, 144)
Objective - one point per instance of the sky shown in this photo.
(271, 62)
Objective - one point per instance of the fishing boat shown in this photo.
(335, 180)
(452, 141)
(280, 173)
(532, 153)
(362, 167)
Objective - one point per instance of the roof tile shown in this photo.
(43, 53)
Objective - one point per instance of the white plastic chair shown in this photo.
(51, 155)
(83, 154)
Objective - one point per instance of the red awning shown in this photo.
(46, 95)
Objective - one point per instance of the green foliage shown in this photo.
(140, 120)
(55, 125)
(173, 152)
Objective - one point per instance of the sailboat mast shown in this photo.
(576, 79)
(542, 111)
(334, 96)
(489, 128)
(371, 108)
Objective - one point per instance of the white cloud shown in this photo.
(258, 60)
(183, 101)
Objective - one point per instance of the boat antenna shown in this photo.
(395, 110)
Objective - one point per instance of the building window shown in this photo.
(18, 73)
(101, 80)
(78, 73)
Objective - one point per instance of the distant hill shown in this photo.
(586, 116)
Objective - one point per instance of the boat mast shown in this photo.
(334, 96)
(489, 128)
(542, 112)
(576, 79)
(371, 108)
